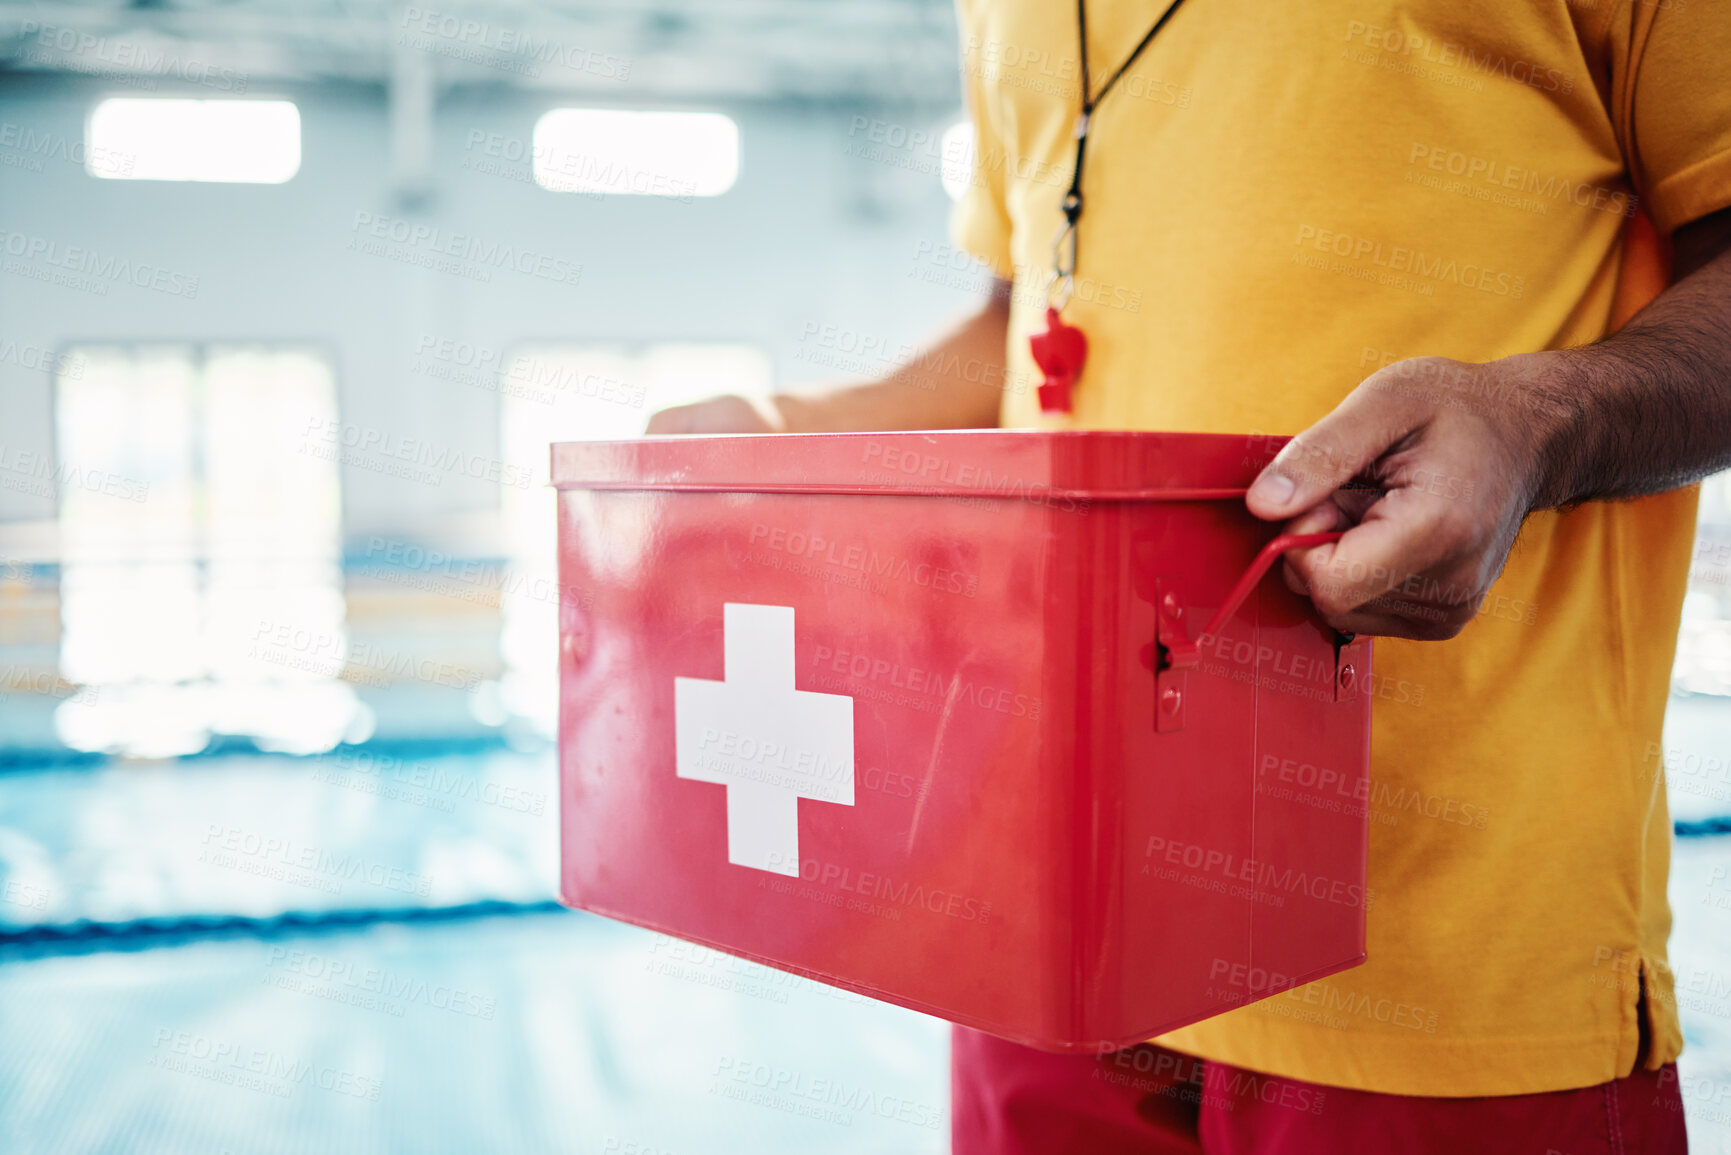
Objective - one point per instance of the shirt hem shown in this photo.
(1437, 1068)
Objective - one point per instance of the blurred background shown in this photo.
(293, 296)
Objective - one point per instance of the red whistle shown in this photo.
(1059, 352)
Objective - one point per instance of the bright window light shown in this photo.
(194, 526)
(667, 154)
(233, 141)
(957, 165)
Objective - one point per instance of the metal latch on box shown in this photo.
(1176, 652)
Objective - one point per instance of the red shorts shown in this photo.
(1011, 1100)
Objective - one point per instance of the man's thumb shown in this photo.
(1319, 461)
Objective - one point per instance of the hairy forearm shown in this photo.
(1649, 408)
(955, 383)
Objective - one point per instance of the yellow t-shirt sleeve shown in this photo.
(1676, 110)
(980, 221)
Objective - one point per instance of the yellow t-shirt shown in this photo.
(1281, 198)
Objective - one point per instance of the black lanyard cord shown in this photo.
(1073, 198)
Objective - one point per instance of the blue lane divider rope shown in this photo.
(18, 760)
(86, 937)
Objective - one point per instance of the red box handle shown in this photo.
(1182, 651)
(1259, 567)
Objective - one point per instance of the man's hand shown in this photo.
(1463, 452)
(724, 414)
(1456, 454)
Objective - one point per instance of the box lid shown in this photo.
(1099, 465)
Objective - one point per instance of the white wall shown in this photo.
(811, 235)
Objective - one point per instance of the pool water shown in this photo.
(360, 952)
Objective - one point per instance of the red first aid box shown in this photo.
(1010, 727)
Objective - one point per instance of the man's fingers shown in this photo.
(665, 422)
(1341, 576)
(1423, 628)
(1355, 503)
(1328, 455)
(724, 414)
(1392, 548)
(1325, 518)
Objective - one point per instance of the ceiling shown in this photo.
(629, 50)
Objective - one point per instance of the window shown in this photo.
(678, 155)
(200, 542)
(234, 141)
(581, 393)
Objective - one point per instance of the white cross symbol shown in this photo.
(768, 743)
